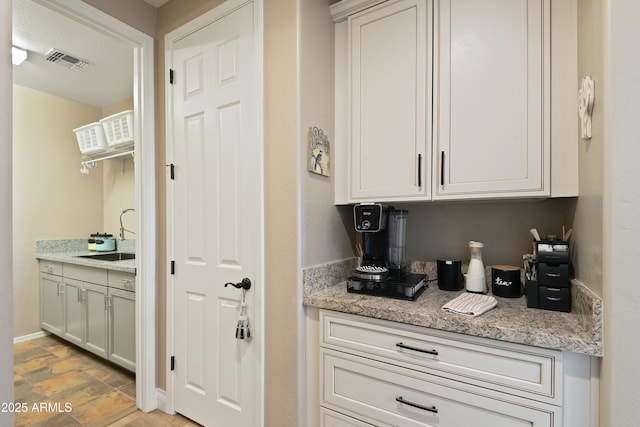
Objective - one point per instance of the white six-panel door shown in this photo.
(213, 140)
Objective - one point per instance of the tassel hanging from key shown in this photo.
(243, 331)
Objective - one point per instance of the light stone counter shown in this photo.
(579, 331)
(70, 252)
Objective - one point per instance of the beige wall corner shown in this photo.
(282, 305)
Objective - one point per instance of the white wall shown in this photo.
(620, 390)
(6, 257)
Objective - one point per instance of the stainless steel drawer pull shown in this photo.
(434, 352)
(553, 275)
(416, 405)
(553, 299)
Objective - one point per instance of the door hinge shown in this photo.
(172, 170)
(173, 267)
(173, 363)
(170, 76)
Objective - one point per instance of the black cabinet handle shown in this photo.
(419, 170)
(417, 405)
(408, 347)
(442, 168)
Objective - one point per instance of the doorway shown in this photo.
(141, 46)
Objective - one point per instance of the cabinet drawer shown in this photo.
(50, 267)
(122, 280)
(509, 368)
(553, 275)
(388, 395)
(556, 299)
(329, 418)
(86, 274)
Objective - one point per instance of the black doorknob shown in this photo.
(245, 284)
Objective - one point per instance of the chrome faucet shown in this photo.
(122, 229)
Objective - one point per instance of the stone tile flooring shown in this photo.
(61, 385)
(58, 384)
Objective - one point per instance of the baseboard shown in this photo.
(30, 337)
(161, 397)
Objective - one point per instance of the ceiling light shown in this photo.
(18, 55)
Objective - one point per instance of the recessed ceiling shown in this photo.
(107, 80)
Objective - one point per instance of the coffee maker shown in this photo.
(383, 270)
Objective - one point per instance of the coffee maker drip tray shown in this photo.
(407, 287)
(371, 272)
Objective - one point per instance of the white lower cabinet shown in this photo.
(92, 308)
(382, 373)
(85, 293)
(122, 327)
(51, 297)
(86, 316)
(96, 304)
(74, 312)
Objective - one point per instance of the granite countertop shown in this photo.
(71, 252)
(579, 331)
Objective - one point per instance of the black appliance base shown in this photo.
(407, 287)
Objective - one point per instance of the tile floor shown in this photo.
(59, 384)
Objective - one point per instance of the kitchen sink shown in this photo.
(118, 256)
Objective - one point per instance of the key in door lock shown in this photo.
(243, 331)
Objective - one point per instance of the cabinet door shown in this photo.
(52, 303)
(95, 297)
(122, 327)
(491, 115)
(74, 311)
(388, 109)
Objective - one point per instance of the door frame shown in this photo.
(257, 327)
(145, 184)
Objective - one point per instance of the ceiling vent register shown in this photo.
(67, 60)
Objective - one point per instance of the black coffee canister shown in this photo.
(505, 281)
(450, 275)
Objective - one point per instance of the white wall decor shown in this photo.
(318, 157)
(585, 106)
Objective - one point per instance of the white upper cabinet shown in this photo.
(455, 99)
(491, 121)
(387, 91)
